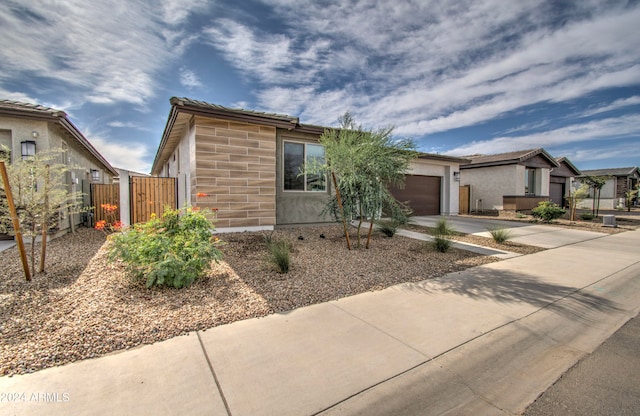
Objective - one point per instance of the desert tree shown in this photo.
(41, 196)
(363, 164)
(596, 183)
(575, 197)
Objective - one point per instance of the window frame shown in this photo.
(530, 181)
(304, 177)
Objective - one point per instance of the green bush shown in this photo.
(441, 243)
(587, 216)
(170, 251)
(443, 228)
(388, 228)
(547, 211)
(500, 235)
(279, 255)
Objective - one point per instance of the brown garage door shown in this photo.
(422, 194)
(556, 193)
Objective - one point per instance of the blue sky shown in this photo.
(461, 77)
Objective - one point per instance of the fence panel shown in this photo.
(150, 195)
(464, 199)
(104, 194)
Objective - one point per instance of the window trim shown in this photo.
(304, 156)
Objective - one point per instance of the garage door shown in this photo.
(556, 193)
(422, 193)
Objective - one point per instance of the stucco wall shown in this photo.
(235, 167)
(491, 183)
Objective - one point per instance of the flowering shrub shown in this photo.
(170, 251)
(111, 224)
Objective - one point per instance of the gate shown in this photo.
(150, 195)
(104, 194)
(465, 192)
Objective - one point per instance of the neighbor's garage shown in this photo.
(422, 193)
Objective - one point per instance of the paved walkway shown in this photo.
(487, 340)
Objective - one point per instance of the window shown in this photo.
(295, 156)
(529, 181)
(95, 175)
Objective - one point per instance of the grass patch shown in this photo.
(279, 255)
(501, 235)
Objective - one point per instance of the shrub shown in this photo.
(443, 228)
(587, 216)
(547, 211)
(388, 228)
(500, 235)
(170, 251)
(441, 243)
(279, 255)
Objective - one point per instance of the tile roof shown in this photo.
(508, 158)
(610, 172)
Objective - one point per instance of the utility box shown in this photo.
(609, 221)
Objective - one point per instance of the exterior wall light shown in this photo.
(456, 176)
(95, 175)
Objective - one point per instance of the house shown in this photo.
(618, 181)
(29, 128)
(561, 179)
(246, 164)
(513, 181)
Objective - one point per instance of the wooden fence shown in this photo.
(104, 194)
(150, 195)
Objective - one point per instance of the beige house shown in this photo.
(246, 164)
(29, 128)
(511, 181)
(612, 194)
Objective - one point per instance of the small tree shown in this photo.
(40, 194)
(574, 199)
(630, 195)
(596, 183)
(363, 164)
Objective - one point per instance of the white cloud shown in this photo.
(130, 156)
(609, 129)
(615, 105)
(431, 66)
(128, 125)
(189, 79)
(110, 52)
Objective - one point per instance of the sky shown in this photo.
(460, 77)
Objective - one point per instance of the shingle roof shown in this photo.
(36, 111)
(507, 158)
(610, 172)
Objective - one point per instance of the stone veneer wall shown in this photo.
(235, 165)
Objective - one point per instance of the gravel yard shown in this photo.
(84, 307)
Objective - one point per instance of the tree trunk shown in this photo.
(45, 220)
(344, 220)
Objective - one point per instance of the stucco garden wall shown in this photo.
(490, 183)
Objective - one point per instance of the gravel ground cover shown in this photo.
(85, 307)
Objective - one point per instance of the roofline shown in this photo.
(59, 117)
(179, 105)
(446, 158)
(630, 172)
(571, 165)
(513, 161)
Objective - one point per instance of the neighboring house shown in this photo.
(29, 128)
(561, 180)
(514, 181)
(247, 165)
(612, 194)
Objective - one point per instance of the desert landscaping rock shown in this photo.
(85, 307)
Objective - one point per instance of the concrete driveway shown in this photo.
(546, 236)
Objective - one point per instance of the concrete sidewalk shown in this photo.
(487, 340)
